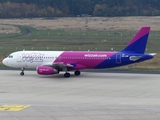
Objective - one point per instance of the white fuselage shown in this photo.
(31, 59)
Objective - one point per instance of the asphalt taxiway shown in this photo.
(90, 96)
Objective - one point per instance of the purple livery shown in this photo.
(52, 62)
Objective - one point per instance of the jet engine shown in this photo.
(46, 70)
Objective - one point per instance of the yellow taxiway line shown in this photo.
(13, 107)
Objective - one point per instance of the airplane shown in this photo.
(53, 62)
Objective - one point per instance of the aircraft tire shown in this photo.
(77, 72)
(22, 73)
(67, 75)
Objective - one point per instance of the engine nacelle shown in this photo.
(46, 70)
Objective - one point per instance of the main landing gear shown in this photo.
(22, 73)
(77, 72)
(67, 75)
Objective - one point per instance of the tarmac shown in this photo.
(90, 96)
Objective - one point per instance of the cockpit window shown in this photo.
(10, 56)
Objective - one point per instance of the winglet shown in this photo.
(139, 41)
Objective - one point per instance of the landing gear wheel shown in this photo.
(22, 73)
(67, 75)
(77, 72)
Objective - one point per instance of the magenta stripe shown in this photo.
(142, 32)
(84, 59)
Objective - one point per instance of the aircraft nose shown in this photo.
(4, 61)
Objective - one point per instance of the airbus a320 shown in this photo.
(53, 62)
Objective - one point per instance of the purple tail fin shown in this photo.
(138, 43)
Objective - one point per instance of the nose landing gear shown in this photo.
(22, 73)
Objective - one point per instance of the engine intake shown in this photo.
(45, 70)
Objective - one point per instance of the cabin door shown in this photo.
(19, 58)
(118, 58)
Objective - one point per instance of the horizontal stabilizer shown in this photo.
(153, 54)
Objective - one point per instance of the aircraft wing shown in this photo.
(57, 64)
(61, 65)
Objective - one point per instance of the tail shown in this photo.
(139, 42)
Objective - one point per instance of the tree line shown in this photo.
(66, 8)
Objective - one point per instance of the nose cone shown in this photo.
(5, 62)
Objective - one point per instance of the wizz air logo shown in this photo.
(95, 55)
(32, 57)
